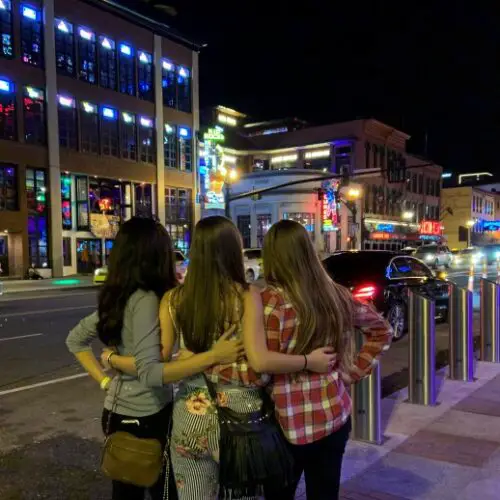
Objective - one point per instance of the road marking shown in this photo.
(16, 296)
(22, 337)
(42, 384)
(47, 311)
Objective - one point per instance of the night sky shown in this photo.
(419, 68)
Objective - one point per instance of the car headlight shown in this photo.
(428, 257)
(97, 272)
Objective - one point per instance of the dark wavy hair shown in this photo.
(215, 282)
(141, 259)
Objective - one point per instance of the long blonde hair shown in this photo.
(324, 308)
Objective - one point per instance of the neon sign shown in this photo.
(105, 204)
(329, 211)
(384, 228)
(491, 225)
(430, 228)
(214, 134)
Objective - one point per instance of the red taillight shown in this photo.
(364, 292)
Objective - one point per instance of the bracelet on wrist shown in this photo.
(108, 358)
(105, 383)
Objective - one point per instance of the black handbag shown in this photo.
(252, 449)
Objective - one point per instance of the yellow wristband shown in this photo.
(105, 383)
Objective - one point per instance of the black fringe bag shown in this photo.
(253, 451)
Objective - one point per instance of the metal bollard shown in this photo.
(461, 334)
(422, 351)
(490, 321)
(366, 397)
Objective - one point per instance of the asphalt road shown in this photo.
(50, 433)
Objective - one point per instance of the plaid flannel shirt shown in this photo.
(311, 406)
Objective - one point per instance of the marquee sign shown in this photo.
(430, 228)
(214, 134)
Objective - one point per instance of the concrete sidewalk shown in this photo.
(447, 452)
(53, 285)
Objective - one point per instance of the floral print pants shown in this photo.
(194, 444)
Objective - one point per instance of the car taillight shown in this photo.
(364, 292)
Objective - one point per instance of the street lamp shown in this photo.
(470, 224)
(408, 215)
(352, 195)
(229, 177)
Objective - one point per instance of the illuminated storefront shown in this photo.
(430, 231)
(392, 235)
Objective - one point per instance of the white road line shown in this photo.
(42, 384)
(47, 311)
(17, 296)
(21, 337)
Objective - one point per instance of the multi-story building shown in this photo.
(98, 112)
(471, 215)
(400, 193)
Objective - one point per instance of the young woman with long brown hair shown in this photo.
(212, 299)
(303, 309)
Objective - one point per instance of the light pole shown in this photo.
(229, 177)
(470, 224)
(352, 196)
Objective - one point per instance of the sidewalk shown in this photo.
(55, 284)
(447, 452)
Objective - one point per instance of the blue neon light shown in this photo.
(29, 13)
(385, 228)
(125, 49)
(6, 86)
(446, 175)
(491, 225)
(185, 132)
(109, 113)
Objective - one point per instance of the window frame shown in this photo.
(89, 128)
(66, 200)
(30, 30)
(126, 152)
(170, 149)
(66, 114)
(184, 90)
(146, 152)
(67, 251)
(127, 78)
(87, 54)
(145, 76)
(7, 99)
(39, 135)
(107, 64)
(82, 201)
(169, 82)
(185, 149)
(109, 142)
(63, 49)
(5, 186)
(7, 29)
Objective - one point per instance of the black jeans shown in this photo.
(151, 427)
(321, 463)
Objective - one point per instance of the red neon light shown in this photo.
(430, 227)
(366, 292)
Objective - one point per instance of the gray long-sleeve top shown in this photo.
(144, 394)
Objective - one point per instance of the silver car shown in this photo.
(435, 255)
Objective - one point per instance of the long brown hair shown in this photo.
(324, 309)
(205, 303)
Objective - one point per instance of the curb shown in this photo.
(61, 288)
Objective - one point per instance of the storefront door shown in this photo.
(4, 256)
(88, 255)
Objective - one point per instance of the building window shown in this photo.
(65, 47)
(343, 159)
(179, 216)
(82, 203)
(107, 63)
(169, 84)
(244, 227)
(107, 197)
(184, 89)
(66, 201)
(109, 131)
(8, 128)
(87, 55)
(67, 122)
(145, 76)
(185, 148)
(67, 252)
(146, 140)
(306, 219)
(126, 66)
(36, 195)
(143, 200)
(31, 36)
(263, 225)
(128, 133)
(6, 49)
(89, 128)
(34, 116)
(8, 188)
(420, 184)
(170, 145)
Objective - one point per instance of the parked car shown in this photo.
(384, 278)
(181, 264)
(434, 255)
(408, 251)
(253, 263)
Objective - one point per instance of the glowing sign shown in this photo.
(430, 227)
(385, 228)
(329, 211)
(5, 86)
(105, 204)
(380, 236)
(214, 134)
(491, 225)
